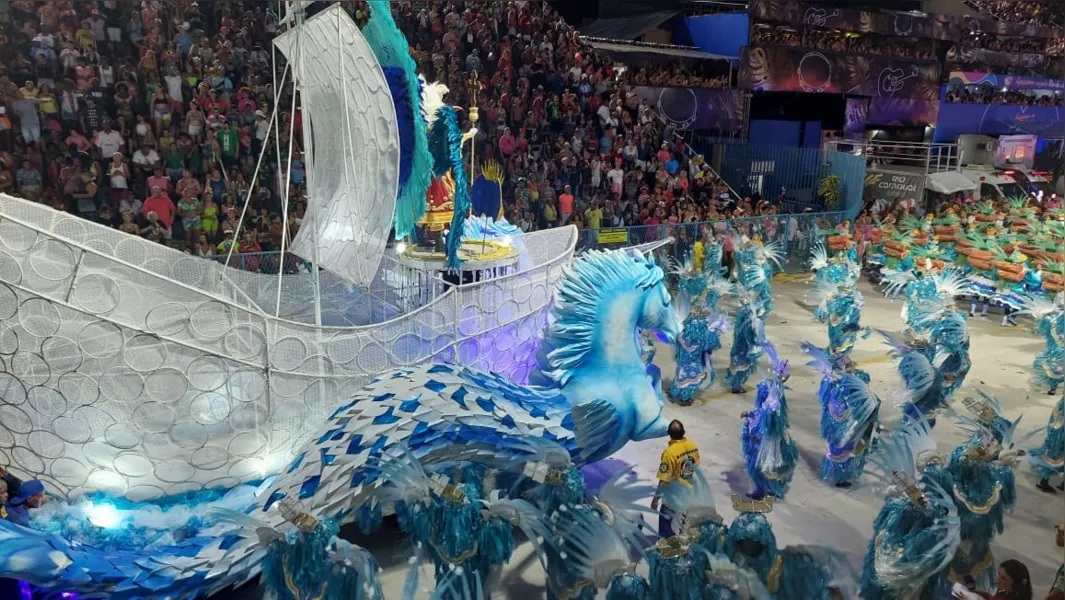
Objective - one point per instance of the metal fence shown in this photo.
(795, 174)
(796, 232)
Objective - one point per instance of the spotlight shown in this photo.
(401, 247)
(104, 516)
(506, 241)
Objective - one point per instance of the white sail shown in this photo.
(353, 178)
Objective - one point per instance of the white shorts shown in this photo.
(31, 132)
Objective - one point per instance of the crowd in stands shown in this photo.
(982, 94)
(839, 41)
(675, 75)
(148, 116)
(1047, 13)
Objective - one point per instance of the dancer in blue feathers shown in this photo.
(918, 530)
(984, 486)
(1048, 367)
(768, 449)
(746, 341)
(754, 268)
(1048, 460)
(701, 330)
(849, 417)
(935, 352)
(807, 572)
(840, 303)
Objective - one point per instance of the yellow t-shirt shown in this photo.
(698, 257)
(679, 460)
(47, 104)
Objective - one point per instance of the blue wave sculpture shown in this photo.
(596, 397)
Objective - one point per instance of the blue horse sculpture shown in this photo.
(593, 395)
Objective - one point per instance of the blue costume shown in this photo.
(1048, 460)
(807, 572)
(702, 327)
(754, 270)
(849, 417)
(917, 531)
(679, 564)
(840, 303)
(984, 489)
(746, 343)
(935, 356)
(768, 449)
(1049, 365)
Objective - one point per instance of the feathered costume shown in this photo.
(917, 531)
(747, 333)
(1048, 460)
(806, 572)
(1048, 368)
(754, 269)
(768, 449)
(840, 303)
(701, 332)
(849, 417)
(935, 357)
(984, 487)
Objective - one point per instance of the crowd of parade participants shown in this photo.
(941, 512)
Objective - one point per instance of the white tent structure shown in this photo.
(132, 368)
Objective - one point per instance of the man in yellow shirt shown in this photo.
(679, 461)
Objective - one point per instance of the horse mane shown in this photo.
(583, 298)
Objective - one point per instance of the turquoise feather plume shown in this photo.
(391, 49)
(445, 144)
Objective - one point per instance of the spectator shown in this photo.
(30, 495)
(565, 205)
(1057, 589)
(160, 204)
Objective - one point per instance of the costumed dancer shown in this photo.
(754, 269)
(1048, 460)
(459, 526)
(701, 332)
(768, 449)
(918, 530)
(849, 418)
(678, 563)
(599, 556)
(1049, 365)
(312, 562)
(840, 303)
(747, 333)
(984, 487)
(806, 572)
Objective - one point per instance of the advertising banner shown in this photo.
(903, 112)
(618, 235)
(1010, 82)
(786, 69)
(892, 186)
(998, 119)
(700, 109)
(938, 27)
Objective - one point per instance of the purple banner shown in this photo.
(937, 27)
(1010, 82)
(903, 112)
(787, 69)
(966, 56)
(855, 117)
(700, 109)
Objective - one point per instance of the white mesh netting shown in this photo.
(133, 368)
